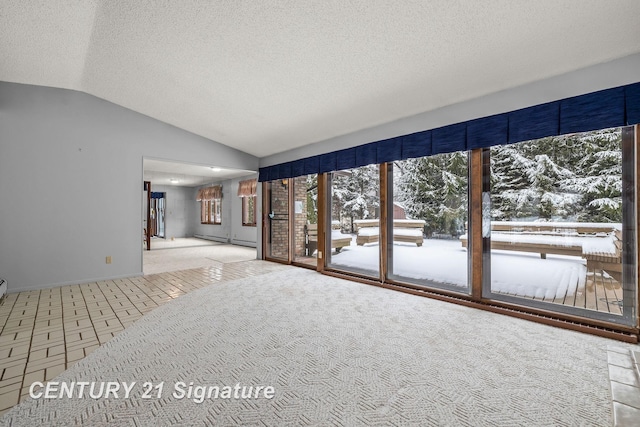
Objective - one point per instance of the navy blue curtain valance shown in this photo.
(389, 150)
(449, 139)
(534, 122)
(615, 107)
(416, 145)
(156, 195)
(344, 158)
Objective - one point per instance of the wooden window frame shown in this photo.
(245, 211)
(620, 328)
(208, 211)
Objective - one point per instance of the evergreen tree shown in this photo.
(511, 193)
(600, 183)
(355, 194)
(576, 177)
(435, 189)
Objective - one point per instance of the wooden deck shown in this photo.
(601, 293)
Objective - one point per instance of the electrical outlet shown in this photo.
(108, 259)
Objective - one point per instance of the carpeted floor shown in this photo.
(337, 353)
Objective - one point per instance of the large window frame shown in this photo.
(479, 293)
(330, 224)
(393, 276)
(629, 283)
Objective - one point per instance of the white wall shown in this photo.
(231, 230)
(71, 177)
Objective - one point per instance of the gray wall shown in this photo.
(71, 183)
(179, 210)
(231, 230)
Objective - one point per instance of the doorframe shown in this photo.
(266, 225)
(147, 188)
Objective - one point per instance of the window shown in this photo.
(210, 199)
(247, 191)
(205, 208)
(216, 211)
(430, 212)
(249, 211)
(558, 226)
(211, 212)
(354, 218)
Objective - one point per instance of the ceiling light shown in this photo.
(174, 180)
(216, 169)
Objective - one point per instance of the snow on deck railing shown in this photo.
(599, 239)
(603, 225)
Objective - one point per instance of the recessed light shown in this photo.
(216, 169)
(174, 180)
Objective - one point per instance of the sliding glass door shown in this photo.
(561, 224)
(429, 214)
(354, 221)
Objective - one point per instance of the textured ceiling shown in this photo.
(161, 172)
(267, 76)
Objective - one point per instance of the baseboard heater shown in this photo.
(214, 238)
(243, 243)
(3, 289)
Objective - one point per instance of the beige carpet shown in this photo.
(337, 353)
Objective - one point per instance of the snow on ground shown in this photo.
(445, 261)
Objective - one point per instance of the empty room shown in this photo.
(319, 213)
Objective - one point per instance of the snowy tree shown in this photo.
(435, 189)
(600, 184)
(355, 194)
(511, 193)
(576, 176)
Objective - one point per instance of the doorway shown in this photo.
(291, 221)
(157, 214)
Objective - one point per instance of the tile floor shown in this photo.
(42, 333)
(624, 373)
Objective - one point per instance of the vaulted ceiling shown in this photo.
(268, 76)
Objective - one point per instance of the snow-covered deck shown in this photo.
(557, 279)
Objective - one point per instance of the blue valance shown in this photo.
(615, 107)
(345, 158)
(449, 139)
(534, 122)
(416, 145)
